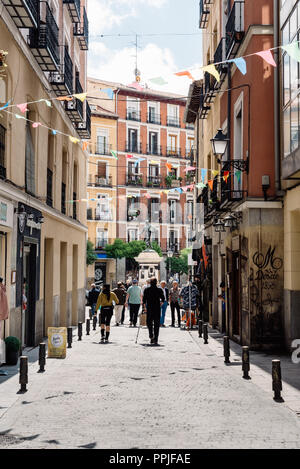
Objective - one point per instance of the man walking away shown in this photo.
(120, 293)
(93, 297)
(105, 300)
(174, 303)
(152, 300)
(134, 299)
(165, 303)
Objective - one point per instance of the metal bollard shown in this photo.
(23, 373)
(205, 333)
(246, 362)
(88, 326)
(79, 330)
(90, 313)
(99, 320)
(226, 345)
(42, 357)
(94, 322)
(70, 336)
(200, 327)
(276, 377)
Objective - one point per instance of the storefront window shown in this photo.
(286, 34)
(295, 124)
(286, 79)
(293, 25)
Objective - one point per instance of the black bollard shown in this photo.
(205, 333)
(200, 327)
(226, 345)
(246, 362)
(88, 326)
(23, 373)
(99, 320)
(70, 336)
(276, 377)
(42, 357)
(90, 313)
(94, 322)
(79, 330)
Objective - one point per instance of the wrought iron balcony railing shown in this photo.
(235, 29)
(25, 13)
(133, 147)
(74, 108)
(154, 181)
(220, 56)
(43, 42)
(133, 115)
(154, 150)
(133, 179)
(84, 127)
(101, 149)
(173, 121)
(81, 31)
(175, 152)
(74, 9)
(62, 80)
(153, 118)
(204, 13)
(99, 181)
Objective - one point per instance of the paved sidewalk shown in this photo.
(127, 395)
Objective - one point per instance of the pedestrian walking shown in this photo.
(174, 303)
(164, 306)
(147, 284)
(189, 295)
(120, 293)
(105, 300)
(134, 300)
(153, 299)
(93, 297)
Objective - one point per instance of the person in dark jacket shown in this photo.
(120, 293)
(153, 298)
(93, 297)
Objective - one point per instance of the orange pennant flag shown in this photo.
(211, 184)
(64, 98)
(185, 73)
(84, 145)
(169, 166)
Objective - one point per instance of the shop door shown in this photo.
(29, 295)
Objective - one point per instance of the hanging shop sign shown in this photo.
(6, 213)
(57, 342)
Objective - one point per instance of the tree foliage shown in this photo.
(119, 249)
(90, 253)
(179, 264)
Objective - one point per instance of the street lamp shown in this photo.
(219, 226)
(219, 143)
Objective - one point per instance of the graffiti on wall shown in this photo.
(266, 294)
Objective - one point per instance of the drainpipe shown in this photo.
(277, 161)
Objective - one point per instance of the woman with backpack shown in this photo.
(105, 300)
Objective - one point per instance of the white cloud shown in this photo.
(106, 14)
(119, 66)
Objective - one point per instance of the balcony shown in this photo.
(228, 193)
(2, 152)
(173, 121)
(98, 215)
(235, 29)
(174, 152)
(74, 108)
(43, 42)
(133, 147)
(62, 81)
(209, 88)
(154, 181)
(49, 200)
(84, 128)
(220, 56)
(99, 181)
(100, 244)
(204, 13)
(101, 149)
(81, 32)
(190, 126)
(154, 150)
(25, 13)
(132, 115)
(153, 118)
(133, 179)
(74, 9)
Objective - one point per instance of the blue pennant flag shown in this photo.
(241, 64)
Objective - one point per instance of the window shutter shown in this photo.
(29, 162)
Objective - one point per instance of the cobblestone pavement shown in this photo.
(128, 395)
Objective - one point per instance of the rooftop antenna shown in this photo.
(136, 71)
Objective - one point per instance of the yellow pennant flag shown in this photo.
(80, 96)
(73, 139)
(212, 70)
(215, 172)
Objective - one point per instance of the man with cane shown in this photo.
(153, 298)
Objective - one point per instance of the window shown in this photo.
(133, 168)
(172, 144)
(172, 208)
(102, 238)
(102, 141)
(101, 169)
(103, 208)
(153, 143)
(154, 210)
(173, 241)
(132, 140)
(133, 109)
(133, 206)
(132, 235)
(173, 115)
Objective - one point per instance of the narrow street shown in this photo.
(128, 395)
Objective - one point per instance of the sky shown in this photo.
(113, 58)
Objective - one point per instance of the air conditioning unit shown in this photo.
(81, 125)
(57, 78)
(71, 105)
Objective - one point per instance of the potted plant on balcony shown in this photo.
(12, 345)
(168, 181)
